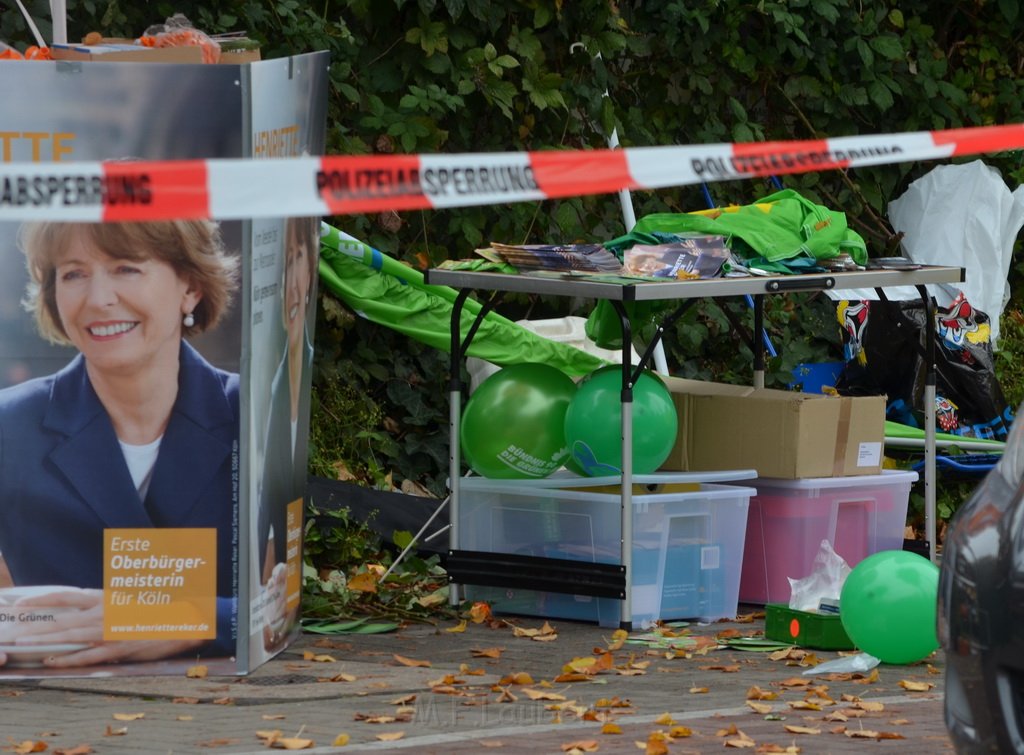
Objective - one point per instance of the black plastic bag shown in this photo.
(884, 350)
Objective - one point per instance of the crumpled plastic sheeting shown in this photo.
(828, 573)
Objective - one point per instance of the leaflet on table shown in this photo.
(690, 257)
(693, 256)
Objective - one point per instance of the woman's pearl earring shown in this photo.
(189, 320)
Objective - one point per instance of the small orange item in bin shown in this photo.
(34, 52)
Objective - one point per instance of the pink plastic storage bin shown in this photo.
(788, 519)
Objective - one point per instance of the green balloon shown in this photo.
(593, 423)
(887, 606)
(513, 425)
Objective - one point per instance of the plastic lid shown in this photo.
(888, 477)
(566, 479)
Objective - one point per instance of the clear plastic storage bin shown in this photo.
(687, 542)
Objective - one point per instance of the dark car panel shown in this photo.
(981, 611)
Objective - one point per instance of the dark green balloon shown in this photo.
(513, 425)
(593, 423)
(887, 606)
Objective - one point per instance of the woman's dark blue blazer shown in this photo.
(63, 477)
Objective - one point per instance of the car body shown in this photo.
(981, 610)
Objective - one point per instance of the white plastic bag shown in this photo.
(828, 572)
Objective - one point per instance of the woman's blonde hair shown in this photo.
(194, 249)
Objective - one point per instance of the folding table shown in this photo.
(686, 293)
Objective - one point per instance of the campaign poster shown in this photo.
(125, 405)
(288, 120)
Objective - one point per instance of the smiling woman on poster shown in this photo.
(137, 431)
(285, 456)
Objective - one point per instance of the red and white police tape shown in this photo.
(242, 188)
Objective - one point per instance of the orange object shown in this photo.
(34, 52)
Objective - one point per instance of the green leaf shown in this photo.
(888, 46)
(880, 95)
(358, 626)
(506, 61)
(1010, 9)
(896, 16)
(866, 56)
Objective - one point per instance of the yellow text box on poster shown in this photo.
(160, 584)
(293, 581)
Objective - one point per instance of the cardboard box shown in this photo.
(782, 434)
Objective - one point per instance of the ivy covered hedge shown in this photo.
(421, 76)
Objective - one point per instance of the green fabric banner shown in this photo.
(386, 292)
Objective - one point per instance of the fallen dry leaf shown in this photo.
(506, 696)
(870, 707)
(339, 677)
(341, 740)
(364, 582)
(794, 729)
(730, 669)
(698, 690)
(223, 701)
(480, 612)
(222, 742)
(309, 655)
(128, 716)
(861, 733)
(112, 732)
(186, 700)
(916, 686)
(410, 661)
(519, 678)
(774, 748)
(795, 681)
(196, 672)
(76, 750)
(756, 693)
(293, 743)
(583, 745)
(803, 705)
(761, 708)
(611, 728)
(536, 694)
(391, 736)
(404, 699)
(655, 745)
(184, 718)
(272, 716)
(665, 719)
(487, 652)
(460, 627)
(680, 732)
(869, 679)
(22, 748)
(619, 637)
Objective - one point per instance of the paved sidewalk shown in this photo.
(468, 702)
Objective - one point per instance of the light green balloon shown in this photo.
(887, 606)
(593, 423)
(513, 426)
